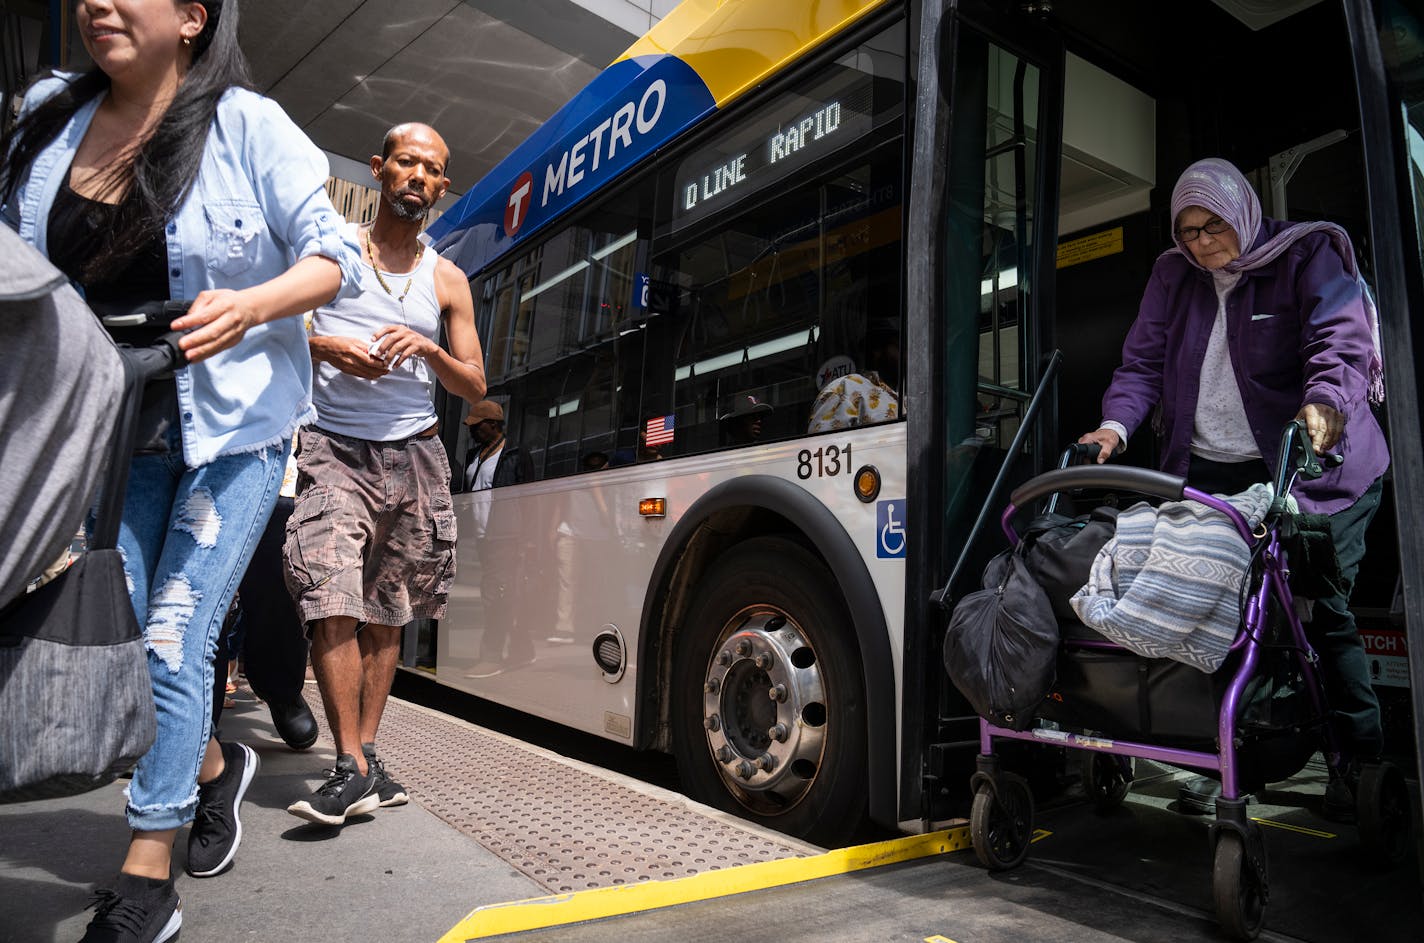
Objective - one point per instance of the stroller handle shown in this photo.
(162, 356)
(1114, 477)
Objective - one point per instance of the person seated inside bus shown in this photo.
(594, 461)
(643, 452)
(1246, 323)
(742, 424)
(491, 461)
(863, 397)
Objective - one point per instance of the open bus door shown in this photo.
(983, 217)
(1390, 78)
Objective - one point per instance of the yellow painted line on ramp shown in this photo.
(538, 913)
(1300, 829)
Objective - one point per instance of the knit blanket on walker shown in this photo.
(1168, 584)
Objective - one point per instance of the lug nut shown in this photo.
(745, 769)
(764, 661)
(744, 648)
(777, 693)
(766, 762)
(725, 754)
(712, 686)
(724, 658)
(778, 733)
(712, 723)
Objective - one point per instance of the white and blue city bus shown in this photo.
(764, 306)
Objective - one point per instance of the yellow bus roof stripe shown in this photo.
(543, 912)
(734, 44)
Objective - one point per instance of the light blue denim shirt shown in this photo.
(259, 204)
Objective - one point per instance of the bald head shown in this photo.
(422, 132)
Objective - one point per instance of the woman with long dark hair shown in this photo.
(160, 175)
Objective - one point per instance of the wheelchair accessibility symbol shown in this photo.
(890, 528)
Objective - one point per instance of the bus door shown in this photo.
(1389, 70)
(984, 184)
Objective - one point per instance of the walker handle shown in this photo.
(1110, 477)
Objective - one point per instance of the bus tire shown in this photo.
(767, 700)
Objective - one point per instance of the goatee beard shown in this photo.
(406, 212)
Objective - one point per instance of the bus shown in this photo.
(764, 307)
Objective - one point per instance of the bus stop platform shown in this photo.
(503, 840)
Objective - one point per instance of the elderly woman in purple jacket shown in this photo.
(1246, 323)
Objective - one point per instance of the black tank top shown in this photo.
(77, 228)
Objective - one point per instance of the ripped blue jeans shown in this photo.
(187, 536)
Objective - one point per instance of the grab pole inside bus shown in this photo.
(942, 597)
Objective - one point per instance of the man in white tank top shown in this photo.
(371, 541)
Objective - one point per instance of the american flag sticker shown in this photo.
(660, 430)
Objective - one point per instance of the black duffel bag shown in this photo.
(1001, 646)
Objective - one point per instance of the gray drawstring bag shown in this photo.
(76, 702)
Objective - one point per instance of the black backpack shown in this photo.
(1060, 552)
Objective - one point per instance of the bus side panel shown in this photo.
(547, 566)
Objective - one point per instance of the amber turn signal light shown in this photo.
(653, 507)
(867, 483)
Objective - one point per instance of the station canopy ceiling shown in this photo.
(484, 73)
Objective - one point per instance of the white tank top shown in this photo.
(401, 403)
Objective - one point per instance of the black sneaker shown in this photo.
(136, 910)
(217, 828)
(345, 792)
(391, 792)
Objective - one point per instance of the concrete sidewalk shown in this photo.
(401, 874)
(492, 819)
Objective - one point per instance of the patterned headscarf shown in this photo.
(1218, 187)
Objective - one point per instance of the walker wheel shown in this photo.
(1238, 892)
(1107, 779)
(1001, 826)
(1383, 813)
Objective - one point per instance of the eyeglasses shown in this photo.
(1214, 227)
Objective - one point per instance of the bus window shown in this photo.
(784, 302)
(753, 300)
(565, 350)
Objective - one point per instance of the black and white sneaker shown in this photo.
(136, 910)
(217, 828)
(391, 792)
(345, 792)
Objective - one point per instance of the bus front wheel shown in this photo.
(768, 705)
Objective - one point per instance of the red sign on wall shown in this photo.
(1388, 657)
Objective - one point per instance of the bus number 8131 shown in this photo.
(825, 462)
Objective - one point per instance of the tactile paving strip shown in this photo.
(563, 826)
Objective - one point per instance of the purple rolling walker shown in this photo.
(1001, 822)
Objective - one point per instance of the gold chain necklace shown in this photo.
(371, 253)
